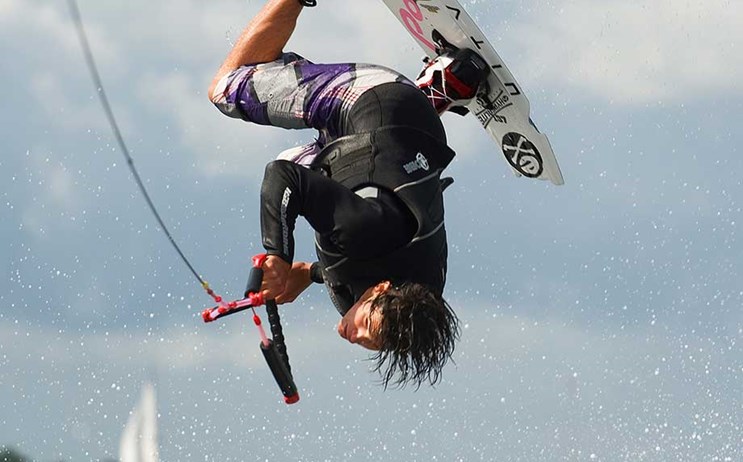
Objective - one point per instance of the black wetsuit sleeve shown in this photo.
(316, 273)
(358, 228)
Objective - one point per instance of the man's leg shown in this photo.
(264, 38)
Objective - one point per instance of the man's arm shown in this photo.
(264, 38)
(359, 228)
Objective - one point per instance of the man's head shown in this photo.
(412, 329)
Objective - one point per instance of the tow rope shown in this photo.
(274, 350)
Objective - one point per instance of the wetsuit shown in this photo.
(366, 230)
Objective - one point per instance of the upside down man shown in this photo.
(370, 186)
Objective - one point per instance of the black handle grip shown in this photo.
(255, 279)
(277, 332)
(279, 369)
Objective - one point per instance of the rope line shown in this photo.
(98, 82)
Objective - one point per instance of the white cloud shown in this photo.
(220, 145)
(199, 38)
(230, 345)
(487, 335)
(58, 201)
(537, 382)
(358, 31)
(230, 147)
(634, 52)
(626, 53)
(70, 112)
(192, 39)
(48, 53)
(44, 31)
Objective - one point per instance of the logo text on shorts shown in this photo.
(419, 163)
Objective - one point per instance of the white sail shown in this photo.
(139, 440)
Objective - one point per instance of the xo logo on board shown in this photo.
(522, 155)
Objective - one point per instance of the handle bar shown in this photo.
(274, 350)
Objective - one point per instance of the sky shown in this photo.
(601, 319)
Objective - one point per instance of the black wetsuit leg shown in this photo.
(393, 104)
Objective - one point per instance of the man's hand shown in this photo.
(298, 281)
(275, 276)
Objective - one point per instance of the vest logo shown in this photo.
(419, 163)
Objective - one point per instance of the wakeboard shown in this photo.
(501, 106)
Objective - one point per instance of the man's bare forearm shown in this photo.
(263, 39)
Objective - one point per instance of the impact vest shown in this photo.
(409, 163)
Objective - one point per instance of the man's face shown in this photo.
(361, 325)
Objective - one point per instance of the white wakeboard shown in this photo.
(502, 109)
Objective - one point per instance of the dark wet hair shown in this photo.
(418, 333)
